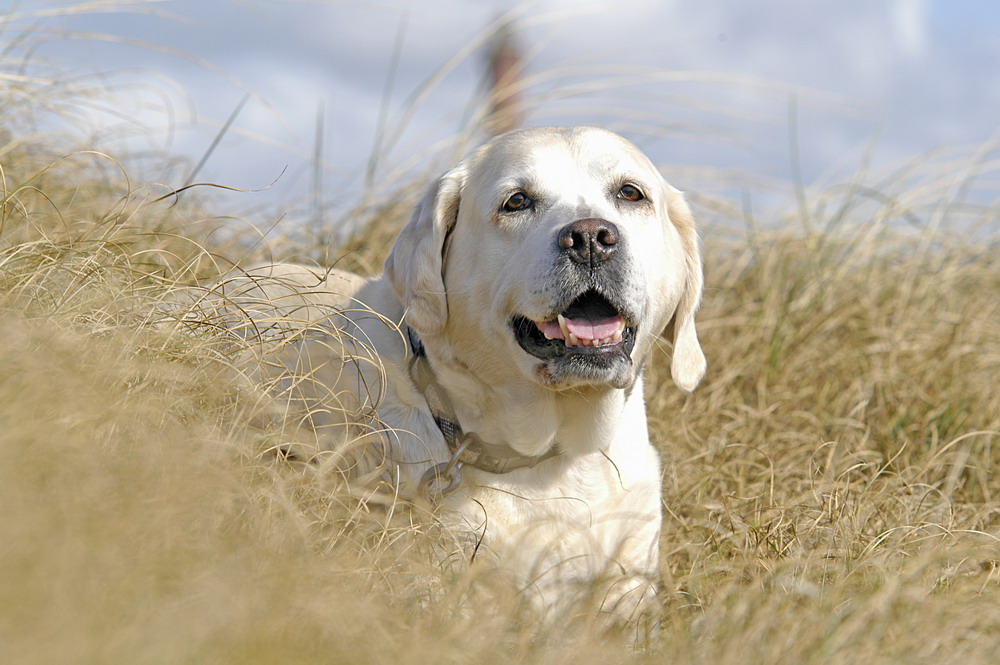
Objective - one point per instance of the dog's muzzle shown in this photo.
(591, 330)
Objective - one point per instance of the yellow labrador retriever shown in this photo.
(511, 326)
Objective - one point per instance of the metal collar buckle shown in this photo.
(432, 482)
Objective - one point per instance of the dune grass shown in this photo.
(831, 490)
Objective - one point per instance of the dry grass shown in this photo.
(831, 490)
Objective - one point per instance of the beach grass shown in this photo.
(831, 490)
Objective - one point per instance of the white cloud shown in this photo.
(909, 18)
(892, 59)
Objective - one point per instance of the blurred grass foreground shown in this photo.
(832, 492)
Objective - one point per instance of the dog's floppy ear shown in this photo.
(415, 264)
(688, 364)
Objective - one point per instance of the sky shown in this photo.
(724, 95)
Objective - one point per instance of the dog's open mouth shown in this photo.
(591, 325)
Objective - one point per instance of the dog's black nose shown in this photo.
(589, 241)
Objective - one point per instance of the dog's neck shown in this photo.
(525, 416)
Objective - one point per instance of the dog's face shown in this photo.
(555, 254)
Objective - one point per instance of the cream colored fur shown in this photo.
(457, 274)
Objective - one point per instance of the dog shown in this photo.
(502, 353)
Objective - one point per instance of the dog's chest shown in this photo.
(574, 520)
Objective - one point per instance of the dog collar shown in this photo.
(466, 447)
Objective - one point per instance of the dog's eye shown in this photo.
(517, 202)
(630, 193)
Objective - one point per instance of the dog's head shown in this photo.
(557, 254)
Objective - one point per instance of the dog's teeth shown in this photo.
(572, 340)
(563, 326)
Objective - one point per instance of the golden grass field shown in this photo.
(831, 494)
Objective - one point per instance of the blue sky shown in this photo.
(713, 90)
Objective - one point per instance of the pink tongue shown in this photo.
(583, 328)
